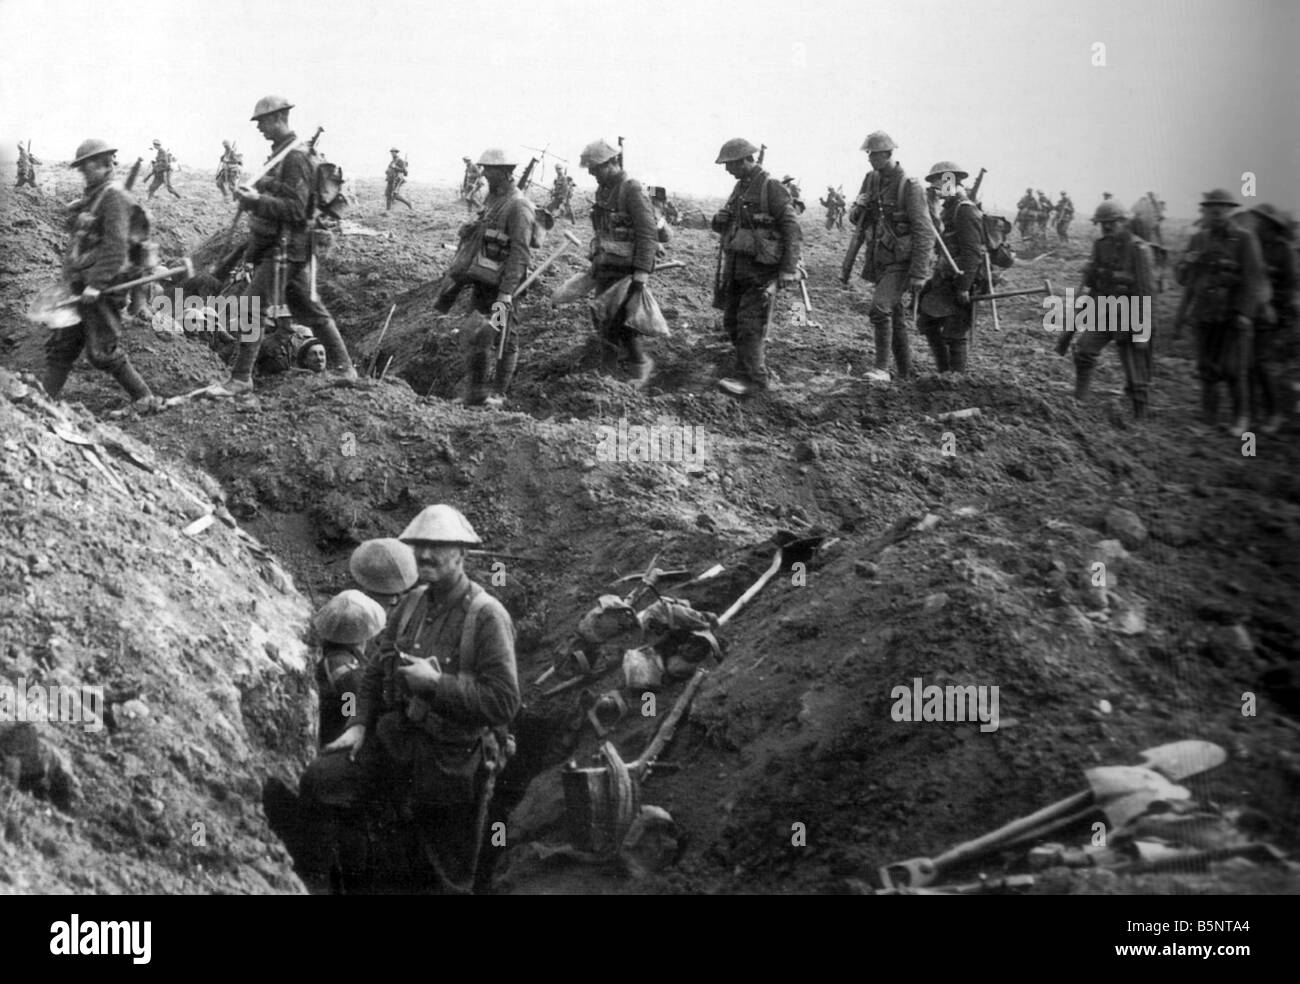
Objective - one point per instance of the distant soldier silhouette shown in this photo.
(394, 178)
(161, 170)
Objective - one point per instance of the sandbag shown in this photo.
(643, 314)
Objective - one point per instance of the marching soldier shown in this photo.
(26, 167)
(98, 256)
(834, 205)
(761, 247)
(1027, 214)
(1064, 215)
(1044, 215)
(1276, 318)
(279, 247)
(395, 177)
(1121, 265)
(1222, 273)
(796, 199)
(561, 204)
(892, 211)
(626, 243)
(471, 185)
(496, 250)
(946, 311)
(433, 713)
(161, 170)
(229, 170)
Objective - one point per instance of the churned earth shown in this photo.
(956, 551)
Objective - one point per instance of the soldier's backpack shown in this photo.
(328, 202)
(996, 233)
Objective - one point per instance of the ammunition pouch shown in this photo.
(488, 263)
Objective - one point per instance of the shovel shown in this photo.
(54, 307)
(1125, 790)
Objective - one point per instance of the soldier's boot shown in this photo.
(903, 352)
(506, 366)
(957, 349)
(939, 349)
(1082, 380)
(639, 365)
(130, 380)
(477, 372)
(1209, 403)
(54, 378)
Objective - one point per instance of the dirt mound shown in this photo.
(195, 644)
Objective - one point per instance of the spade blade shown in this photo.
(1180, 759)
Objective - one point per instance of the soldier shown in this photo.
(761, 246)
(495, 252)
(894, 215)
(1105, 196)
(834, 205)
(433, 712)
(102, 223)
(946, 311)
(1027, 214)
(561, 204)
(626, 244)
(796, 200)
(472, 185)
(395, 177)
(346, 624)
(1121, 265)
(279, 247)
(1275, 319)
(27, 162)
(1223, 277)
(229, 170)
(1064, 215)
(1044, 215)
(161, 171)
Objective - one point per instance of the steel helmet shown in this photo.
(270, 104)
(157, 143)
(944, 167)
(1218, 197)
(393, 150)
(878, 140)
(496, 157)
(736, 149)
(91, 148)
(441, 524)
(385, 566)
(597, 152)
(1108, 211)
(1273, 214)
(225, 143)
(350, 618)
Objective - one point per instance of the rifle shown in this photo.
(975, 188)
(527, 176)
(270, 166)
(620, 151)
(762, 150)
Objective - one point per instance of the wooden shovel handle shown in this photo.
(1015, 828)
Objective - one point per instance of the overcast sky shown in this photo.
(1191, 94)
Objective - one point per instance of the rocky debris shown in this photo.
(1230, 645)
(33, 763)
(1124, 525)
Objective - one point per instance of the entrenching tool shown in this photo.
(1119, 792)
(1046, 288)
(708, 640)
(988, 273)
(54, 307)
(570, 240)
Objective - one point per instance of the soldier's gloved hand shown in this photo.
(914, 284)
(963, 297)
(90, 295)
(350, 741)
(247, 195)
